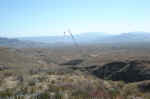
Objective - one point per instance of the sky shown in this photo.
(20, 18)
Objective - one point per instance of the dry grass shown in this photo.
(32, 70)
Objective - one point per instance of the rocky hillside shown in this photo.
(31, 71)
(130, 71)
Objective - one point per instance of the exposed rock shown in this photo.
(131, 71)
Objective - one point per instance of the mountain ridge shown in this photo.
(83, 38)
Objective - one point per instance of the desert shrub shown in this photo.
(20, 78)
(7, 92)
(80, 93)
(44, 96)
(32, 81)
(120, 84)
(24, 90)
(1, 82)
(144, 87)
(34, 71)
(131, 90)
(52, 88)
(114, 92)
(53, 82)
(8, 73)
(58, 95)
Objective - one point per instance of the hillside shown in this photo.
(45, 70)
(16, 43)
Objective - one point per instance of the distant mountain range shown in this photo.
(83, 38)
(8, 42)
(131, 37)
(94, 37)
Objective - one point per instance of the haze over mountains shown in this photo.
(9, 42)
(94, 37)
(83, 38)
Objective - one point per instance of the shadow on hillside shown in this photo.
(131, 71)
(73, 62)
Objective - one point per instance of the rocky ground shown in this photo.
(117, 73)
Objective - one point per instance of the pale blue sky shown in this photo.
(52, 17)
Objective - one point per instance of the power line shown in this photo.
(73, 39)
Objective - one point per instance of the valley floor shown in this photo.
(108, 71)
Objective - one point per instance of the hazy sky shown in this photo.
(53, 17)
